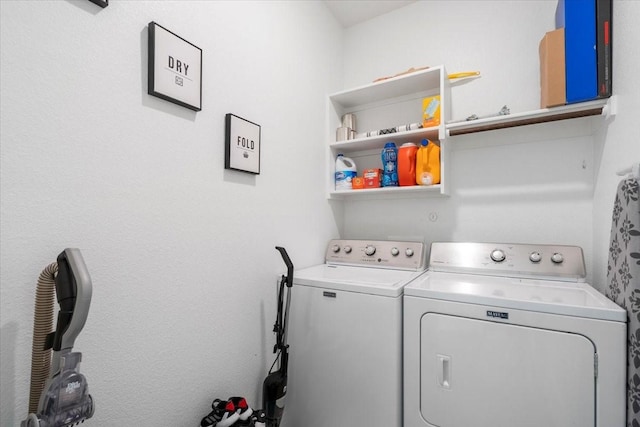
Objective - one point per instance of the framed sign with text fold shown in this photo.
(242, 145)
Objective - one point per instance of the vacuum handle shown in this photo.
(288, 263)
(73, 291)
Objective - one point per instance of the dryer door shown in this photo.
(486, 374)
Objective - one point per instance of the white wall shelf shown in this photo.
(545, 115)
(385, 104)
(388, 192)
(398, 101)
(394, 87)
(360, 144)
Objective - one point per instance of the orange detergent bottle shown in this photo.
(428, 163)
(407, 164)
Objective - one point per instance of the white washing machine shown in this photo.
(509, 335)
(345, 335)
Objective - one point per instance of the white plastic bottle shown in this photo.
(345, 171)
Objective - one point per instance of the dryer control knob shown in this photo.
(335, 248)
(347, 249)
(557, 258)
(395, 251)
(498, 255)
(370, 250)
(535, 257)
(408, 252)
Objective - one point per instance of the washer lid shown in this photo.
(375, 281)
(545, 296)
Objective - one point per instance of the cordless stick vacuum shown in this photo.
(64, 399)
(274, 388)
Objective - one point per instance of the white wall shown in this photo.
(531, 184)
(180, 251)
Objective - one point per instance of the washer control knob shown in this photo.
(535, 257)
(408, 252)
(557, 258)
(370, 250)
(335, 249)
(394, 251)
(347, 249)
(498, 255)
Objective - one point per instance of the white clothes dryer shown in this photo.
(345, 335)
(509, 335)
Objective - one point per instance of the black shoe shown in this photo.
(223, 415)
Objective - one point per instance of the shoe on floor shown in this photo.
(243, 409)
(223, 415)
(258, 418)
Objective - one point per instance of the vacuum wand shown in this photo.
(274, 388)
(65, 399)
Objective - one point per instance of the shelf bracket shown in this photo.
(611, 107)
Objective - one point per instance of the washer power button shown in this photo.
(535, 257)
(498, 255)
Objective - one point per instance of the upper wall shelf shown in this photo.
(393, 87)
(583, 109)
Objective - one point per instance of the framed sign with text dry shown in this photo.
(101, 3)
(175, 68)
(242, 145)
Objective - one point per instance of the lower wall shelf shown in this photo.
(388, 192)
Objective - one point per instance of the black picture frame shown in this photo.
(175, 68)
(242, 144)
(101, 3)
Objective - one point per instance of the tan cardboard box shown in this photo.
(552, 69)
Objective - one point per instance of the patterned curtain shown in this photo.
(623, 282)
